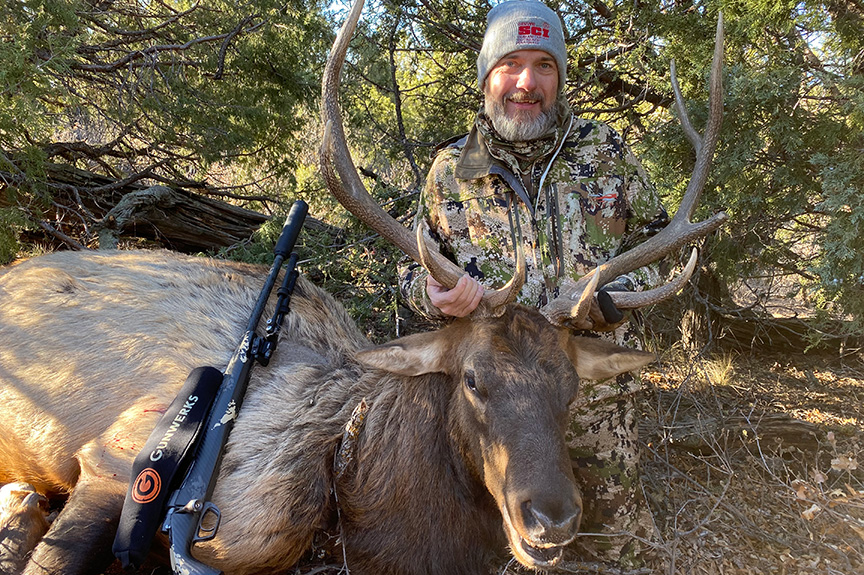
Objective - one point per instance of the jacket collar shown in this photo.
(475, 161)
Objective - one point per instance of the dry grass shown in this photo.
(750, 465)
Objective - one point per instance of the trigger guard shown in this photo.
(202, 533)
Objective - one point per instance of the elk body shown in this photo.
(461, 452)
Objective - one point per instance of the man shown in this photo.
(572, 193)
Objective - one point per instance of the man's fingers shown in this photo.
(466, 295)
(459, 301)
(470, 296)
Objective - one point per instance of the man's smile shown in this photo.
(524, 102)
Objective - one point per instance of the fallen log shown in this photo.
(93, 210)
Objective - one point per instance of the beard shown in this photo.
(522, 126)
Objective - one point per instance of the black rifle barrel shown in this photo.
(284, 246)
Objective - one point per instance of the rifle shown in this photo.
(189, 504)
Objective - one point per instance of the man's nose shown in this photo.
(527, 80)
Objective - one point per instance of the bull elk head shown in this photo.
(575, 300)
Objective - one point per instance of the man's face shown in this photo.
(520, 93)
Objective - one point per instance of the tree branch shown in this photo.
(154, 50)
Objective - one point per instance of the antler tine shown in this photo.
(635, 300)
(705, 152)
(678, 232)
(349, 190)
(683, 116)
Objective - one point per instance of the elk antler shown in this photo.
(351, 193)
(573, 305)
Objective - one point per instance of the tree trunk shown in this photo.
(178, 219)
(699, 324)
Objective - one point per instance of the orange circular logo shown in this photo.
(147, 486)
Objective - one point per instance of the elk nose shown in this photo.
(555, 524)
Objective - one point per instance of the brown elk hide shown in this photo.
(23, 522)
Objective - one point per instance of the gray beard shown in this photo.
(521, 127)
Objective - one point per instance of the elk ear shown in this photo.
(411, 355)
(600, 359)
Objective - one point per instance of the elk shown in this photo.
(458, 455)
(464, 425)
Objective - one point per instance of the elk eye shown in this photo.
(470, 383)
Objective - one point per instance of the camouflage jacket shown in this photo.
(577, 206)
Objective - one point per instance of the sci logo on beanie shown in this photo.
(531, 33)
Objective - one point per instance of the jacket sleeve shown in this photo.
(412, 288)
(412, 276)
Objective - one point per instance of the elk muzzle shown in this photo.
(541, 521)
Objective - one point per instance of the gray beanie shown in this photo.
(522, 25)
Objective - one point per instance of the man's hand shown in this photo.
(457, 302)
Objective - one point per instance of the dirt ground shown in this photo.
(751, 465)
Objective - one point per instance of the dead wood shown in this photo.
(94, 210)
(754, 332)
(185, 221)
(774, 431)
